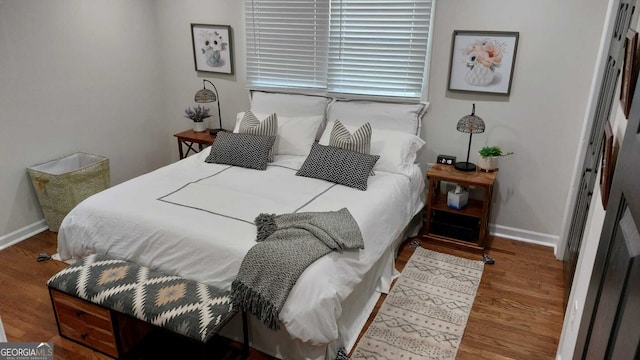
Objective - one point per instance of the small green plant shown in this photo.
(493, 151)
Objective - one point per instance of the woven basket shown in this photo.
(63, 183)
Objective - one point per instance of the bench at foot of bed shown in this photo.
(111, 305)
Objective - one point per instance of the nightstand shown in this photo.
(190, 138)
(467, 227)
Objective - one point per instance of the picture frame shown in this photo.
(607, 165)
(629, 71)
(212, 48)
(482, 61)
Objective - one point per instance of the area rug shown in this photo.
(426, 311)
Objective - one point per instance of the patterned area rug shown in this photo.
(426, 311)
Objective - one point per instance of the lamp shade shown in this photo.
(205, 95)
(471, 124)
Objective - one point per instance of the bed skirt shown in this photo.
(356, 309)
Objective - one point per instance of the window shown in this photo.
(360, 47)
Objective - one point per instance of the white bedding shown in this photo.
(195, 219)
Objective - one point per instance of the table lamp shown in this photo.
(470, 124)
(205, 95)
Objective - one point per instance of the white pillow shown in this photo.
(295, 134)
(389, 116)
(292, 105)
(397, 149)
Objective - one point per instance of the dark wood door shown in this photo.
(610, 326)
(624, 16)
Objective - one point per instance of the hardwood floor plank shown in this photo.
(517, 314)
(510, 341)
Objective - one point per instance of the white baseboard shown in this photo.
(22, 234)
(524, 235)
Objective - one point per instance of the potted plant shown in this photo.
(489, 156)
(197, 114)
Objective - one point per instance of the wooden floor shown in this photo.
(517, 314)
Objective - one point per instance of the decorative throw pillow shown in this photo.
(397, 150)
(359, 141)
(250, 124)
(244, 150)
(341, 166)
(295, 134)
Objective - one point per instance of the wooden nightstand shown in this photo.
(190, 138)
(467, 227)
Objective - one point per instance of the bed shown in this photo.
(195, 219)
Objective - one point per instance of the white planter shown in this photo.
(198, 126)
(488, 163)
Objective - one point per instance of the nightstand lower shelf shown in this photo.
(455, 228)
(451, 242)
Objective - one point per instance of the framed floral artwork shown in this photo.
(212, 48)
(482, 61)
(629, 71)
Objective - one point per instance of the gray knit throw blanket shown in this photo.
(287, 245)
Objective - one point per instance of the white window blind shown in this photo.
(287, 43)
(363, 47)
(378, 47)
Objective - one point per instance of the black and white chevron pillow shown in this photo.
(340, 166)
(244, 150)
(250, 124)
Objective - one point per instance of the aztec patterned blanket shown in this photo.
(287, 245)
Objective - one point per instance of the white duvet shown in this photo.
(195, 219)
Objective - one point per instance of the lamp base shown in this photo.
(465, 166)
(215, 131)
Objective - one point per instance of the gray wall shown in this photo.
(121, 74)
(540, 121)
(76, 76)
(181, 81)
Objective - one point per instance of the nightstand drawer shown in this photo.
(85, 323)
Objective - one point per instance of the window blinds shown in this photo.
(287, 43)
(363, 47)
(378, 47)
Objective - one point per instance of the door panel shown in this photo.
(610, 324)
(627, 340)
(618, 283)
(605, 100)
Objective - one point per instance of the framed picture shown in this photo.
(212, 48)
(629, 71)
(482, 61)
(607, 165)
